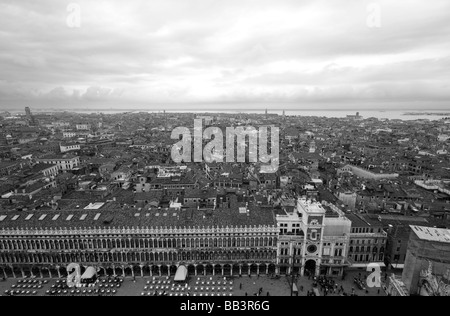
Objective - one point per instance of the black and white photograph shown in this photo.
(223, 154)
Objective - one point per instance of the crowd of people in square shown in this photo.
(324, 286)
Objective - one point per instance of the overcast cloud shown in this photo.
(298, 53)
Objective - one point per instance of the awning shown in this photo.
(181, 274)
(365, 265)
(89, 273)
(398, 266)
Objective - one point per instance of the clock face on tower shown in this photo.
(312, 249)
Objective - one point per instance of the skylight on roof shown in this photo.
(29, 217)
(83, 217)
(137, 214)
(55, 217)
(42, 217)
(69, 217)
(97, 216)
(2, 218)
(16, 217)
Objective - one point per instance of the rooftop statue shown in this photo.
(433, 285)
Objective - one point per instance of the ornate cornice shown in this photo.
(170, 231)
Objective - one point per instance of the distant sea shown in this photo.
(407, 115)
(391, 115)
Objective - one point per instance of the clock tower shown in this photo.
(313, 218)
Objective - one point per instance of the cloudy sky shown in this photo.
(225, 53)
